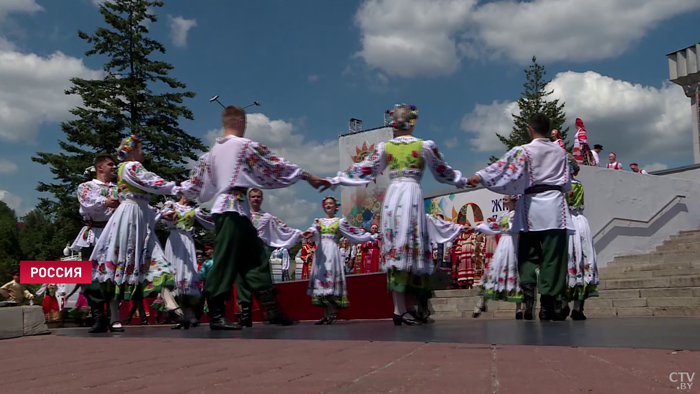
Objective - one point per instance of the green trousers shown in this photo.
(547, 250)
(237, 252)
(100, 293)
(243, 292)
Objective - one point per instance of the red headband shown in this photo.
(579, 122)
(634, 164)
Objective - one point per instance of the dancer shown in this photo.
(501, 280)
(613, 164)
(81, 308)
(540, 172)
(123, 259)
(371, 251)
(405, 228)
(232, 166)
(307, 257)
(98, 199)
(327, 286)
(556, 137)
(581, 151)
(583, 267)
(50, 302)
(274, 234)
(180, 251)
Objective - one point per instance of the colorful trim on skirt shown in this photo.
(158, 305)
(508, 296)
(153, 289)
(330, 300)
(580, 293)
(408, 283)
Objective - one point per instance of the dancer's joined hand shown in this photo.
(317, 182)
(474, 181)
(170, 216)
(307, 234)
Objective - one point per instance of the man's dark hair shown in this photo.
(540, 123)
(103, 158)
(255, 190)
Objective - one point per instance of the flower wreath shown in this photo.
(406, 125)
(127, 146)
(337, 203)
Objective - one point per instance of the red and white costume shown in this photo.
(371, 251)
(581, 149)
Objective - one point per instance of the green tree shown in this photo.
(534, 99)
(37, 237)
(135, 96)
(10, 250)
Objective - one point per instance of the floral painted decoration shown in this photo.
(405, 125)
(337, 203)
(127, 146)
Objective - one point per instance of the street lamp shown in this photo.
(66, 251)
(684, 70)
(216, 98)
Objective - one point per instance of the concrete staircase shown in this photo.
(665, 282)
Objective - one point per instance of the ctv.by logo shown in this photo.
(684, 379)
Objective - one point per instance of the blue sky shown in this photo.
(315, 64)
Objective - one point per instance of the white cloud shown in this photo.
(28, 6)
(452, 143)
(655, 167)
(288, 207)
(632, 120)
(313, 78)
(7, 167)
(179, 27)
(431, 37)
(12, 201)
(98, 2)
(412, 38)
(282, 138)
(32, 91)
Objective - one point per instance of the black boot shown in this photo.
(246, 318)
(182, 322)
(561, 311)
(273, 312)
(547, 308)
(217, 316)
(529, 300)
(100, 320)
(578, 314)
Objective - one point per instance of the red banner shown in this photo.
(40, 272)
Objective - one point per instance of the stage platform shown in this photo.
(641, 333)
(17, 321)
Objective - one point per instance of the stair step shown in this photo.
(620, 267)
(631, 273)
(679, 247)
(647, 283)
(657, 257)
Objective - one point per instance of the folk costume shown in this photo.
(615, 165)
(307, 257)
(581, 151)
(123, 260)
(232, 166)
(181, 252)
(583, 277)
(371, 251)
(405, 228)
(539, 171)
(274, 233)
(501, 282)
(50, 302)
(327, 286)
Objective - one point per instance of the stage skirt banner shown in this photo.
(475, 206)
(362, 205)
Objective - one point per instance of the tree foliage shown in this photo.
(10, 250)
(534, 99)
(135, 96)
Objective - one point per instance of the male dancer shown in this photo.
(228, 170)
(98, 200)
(274, 234)
(540, 172)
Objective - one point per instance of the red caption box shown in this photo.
(40, 272)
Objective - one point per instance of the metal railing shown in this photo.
(658, 213)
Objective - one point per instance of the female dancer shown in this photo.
(327, 278)
(556, 137)
(583, 267)
(405, 228)
(81, 308)
(371, 251)
(180, 250)
(123, 260)
(501, 281)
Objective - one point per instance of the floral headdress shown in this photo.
(127, 145)
(337, 203)
(408, 124)
(514, 197)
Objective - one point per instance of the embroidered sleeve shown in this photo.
(204, 218)
(192, 187)
(91, 199)
(582, 136)
(491, 228)
(561, 143)
(353, 234)
(441, 231)
(316, 230)
(364, 172)
(442, 171)
(285, 259)
(167, 208)
(278, 235)
(267, 170)
(509, 175)
(136, 175)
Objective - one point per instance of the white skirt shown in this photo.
(501, 280)
(327, 275)
(583, 266)
(406, 242)
(181, 252)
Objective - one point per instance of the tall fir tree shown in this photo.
(534, 99)
(136, 96)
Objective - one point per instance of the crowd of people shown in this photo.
(543, 242)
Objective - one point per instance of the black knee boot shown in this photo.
(550, 308)
(529, 300)
(273, 312)
(142, 312)
(246, 318)
(101, 324)
(217, 316)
